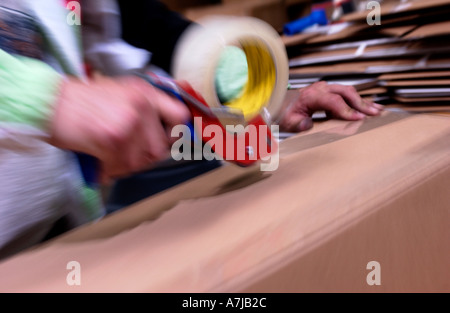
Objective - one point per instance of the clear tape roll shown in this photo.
(198, 52)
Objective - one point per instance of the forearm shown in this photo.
(28, 91)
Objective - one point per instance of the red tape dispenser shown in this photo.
(242, 121)
(229, 135)
(225, 130)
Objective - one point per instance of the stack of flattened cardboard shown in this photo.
(401, 60)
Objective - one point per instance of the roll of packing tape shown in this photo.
(199, 50)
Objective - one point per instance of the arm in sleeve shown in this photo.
(150, 25)
(28, 91)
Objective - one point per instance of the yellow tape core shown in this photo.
(261, 79)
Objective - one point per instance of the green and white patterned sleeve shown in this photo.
(28, 91)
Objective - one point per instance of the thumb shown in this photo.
(296, 122)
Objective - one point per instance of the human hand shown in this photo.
(125, 122)
(337, 101)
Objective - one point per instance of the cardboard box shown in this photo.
(345, 195)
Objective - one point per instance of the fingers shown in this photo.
(339, 101)
(122, 122)
(170, 110)
(340, 109)
(154, 139)
(354, 100)
(149, 141)
(295, 122)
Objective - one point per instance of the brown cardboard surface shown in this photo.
(345, 33)
(403, 64)
(362, 31)
(372, 51)
(430, 99)
(414, 75)
(372, 91)
(297, 39)
(357, 67)
(434, 29)
(392, 9)
(430, 105)
(345, 194)
(417, 83)
(398, 31)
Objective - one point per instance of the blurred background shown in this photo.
(274, 12)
